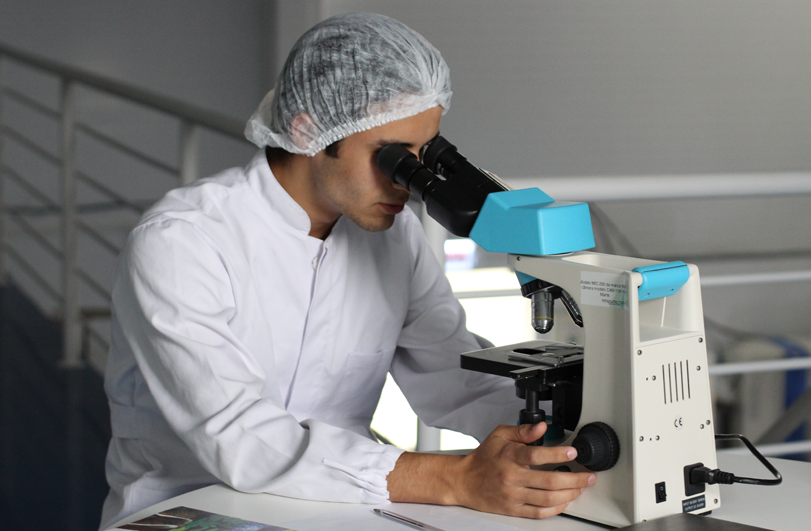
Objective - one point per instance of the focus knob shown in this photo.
(598, 446)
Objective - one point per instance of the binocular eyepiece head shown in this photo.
(452, 188)
(438, 156)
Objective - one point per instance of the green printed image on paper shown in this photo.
(187, 519)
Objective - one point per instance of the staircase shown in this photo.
(55, 426)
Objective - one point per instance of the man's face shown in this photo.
(352, 184)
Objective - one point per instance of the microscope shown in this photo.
(634, 398)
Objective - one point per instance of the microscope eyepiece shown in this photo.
(442, 158)
(454, 198)
(403, 168)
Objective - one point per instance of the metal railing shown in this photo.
(77, 333)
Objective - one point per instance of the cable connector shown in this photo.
(703, 474)
(697, 476)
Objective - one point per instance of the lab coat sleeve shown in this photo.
(426, 365)
(174, 300)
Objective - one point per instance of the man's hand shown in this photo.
(498, 478)
(495, 477)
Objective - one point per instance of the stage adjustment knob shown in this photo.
(598, 447)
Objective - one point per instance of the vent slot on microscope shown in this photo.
(676, 382)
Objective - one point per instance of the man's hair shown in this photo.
(332, 149)
(278, 155)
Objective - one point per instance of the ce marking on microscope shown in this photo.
(678, 423)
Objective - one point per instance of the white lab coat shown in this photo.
(245, 351)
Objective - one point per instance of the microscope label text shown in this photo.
(603, 289)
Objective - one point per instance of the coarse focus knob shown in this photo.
(598, 447)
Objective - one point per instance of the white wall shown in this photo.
(208, 52)
(586, 87)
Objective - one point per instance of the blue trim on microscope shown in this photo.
(529, 222)
(662, 280)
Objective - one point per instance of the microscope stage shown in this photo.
(536, 357)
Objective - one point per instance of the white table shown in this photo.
(786, 507)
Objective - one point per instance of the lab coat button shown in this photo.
(315, 263)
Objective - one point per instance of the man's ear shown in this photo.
(303, 131)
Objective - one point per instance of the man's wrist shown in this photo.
(426, 478)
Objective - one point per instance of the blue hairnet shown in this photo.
(345, 75)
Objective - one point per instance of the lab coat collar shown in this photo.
(264, 184)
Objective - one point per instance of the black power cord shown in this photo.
(703, 474)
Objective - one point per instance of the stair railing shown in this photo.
(77, 332)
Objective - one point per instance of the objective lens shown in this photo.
(543, 311)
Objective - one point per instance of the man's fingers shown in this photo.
(548, 480)
(545, 503)
(524, 433)
(543, 455)
(532, 511)
(549, 498)
(504, 481)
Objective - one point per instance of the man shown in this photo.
(256, 313)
